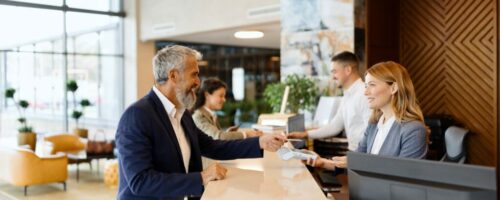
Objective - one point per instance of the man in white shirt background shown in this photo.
(353, 113)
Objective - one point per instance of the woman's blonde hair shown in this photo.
(404, 101)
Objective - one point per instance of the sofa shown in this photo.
(22, 167)
(65, 143)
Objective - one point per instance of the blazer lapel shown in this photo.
(206, 114)
(186, 128)
(217, 124)
(391, 136)
(190, 139)
(209, 116)
(371, 139)
(167, 124)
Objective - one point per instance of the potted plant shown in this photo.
(78, 108)
(245, 111)
(26, 135)
(227, 113)
(303, 93)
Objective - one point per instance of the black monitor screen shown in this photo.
(296, 123)
(381, 177)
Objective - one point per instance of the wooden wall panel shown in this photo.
(450, 50)
(382, 31)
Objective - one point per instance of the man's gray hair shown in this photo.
(171, 57)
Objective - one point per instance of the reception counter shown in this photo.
(264, 178)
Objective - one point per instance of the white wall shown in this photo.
(129, 51)
(194, 16)
(138, 74)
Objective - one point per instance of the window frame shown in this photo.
(119, 54)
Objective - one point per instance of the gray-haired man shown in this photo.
(159, 145)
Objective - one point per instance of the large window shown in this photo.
(47, 43)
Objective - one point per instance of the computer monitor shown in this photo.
(381, 177)
(326, 110)
(284, 100)
(296, 123)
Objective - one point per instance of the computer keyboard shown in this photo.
(328, 179)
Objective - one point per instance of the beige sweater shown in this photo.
(204, 121)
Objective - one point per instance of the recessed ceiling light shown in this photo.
(248, 34)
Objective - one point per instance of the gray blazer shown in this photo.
(406, 139)
(204, 121)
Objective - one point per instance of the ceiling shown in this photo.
(271, 39)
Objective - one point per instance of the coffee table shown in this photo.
(83, 157)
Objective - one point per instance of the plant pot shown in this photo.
(27, 138)
(81, 132)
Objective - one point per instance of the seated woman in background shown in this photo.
(210, 98)
(396, 126)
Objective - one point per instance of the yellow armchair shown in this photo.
(22, 167)
(66, 143)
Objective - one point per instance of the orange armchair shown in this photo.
(22, 167)
(66, 143)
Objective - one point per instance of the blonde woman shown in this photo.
(396, 126)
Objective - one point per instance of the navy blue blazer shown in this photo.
(150, 159)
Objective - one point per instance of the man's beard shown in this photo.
(187, 98)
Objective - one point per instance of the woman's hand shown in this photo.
(340, 161)
(318, 162)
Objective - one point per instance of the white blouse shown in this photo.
(382, 132)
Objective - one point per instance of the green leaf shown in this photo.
(71, 86)
(25, 129)
(263, 107)
(246, 117)
(9, 93)
(21, 119)
(23, 103)
(245, 106)
(76, 114)
(273, 94)
(85, 103)
(303, 93)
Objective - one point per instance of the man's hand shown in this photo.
(298, 135)
(213, 172)
(272, 142)
(254, 133)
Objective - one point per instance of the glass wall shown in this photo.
(44, 47)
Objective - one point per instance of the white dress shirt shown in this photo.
(175, 116)
(382, 132)
(352, 116)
